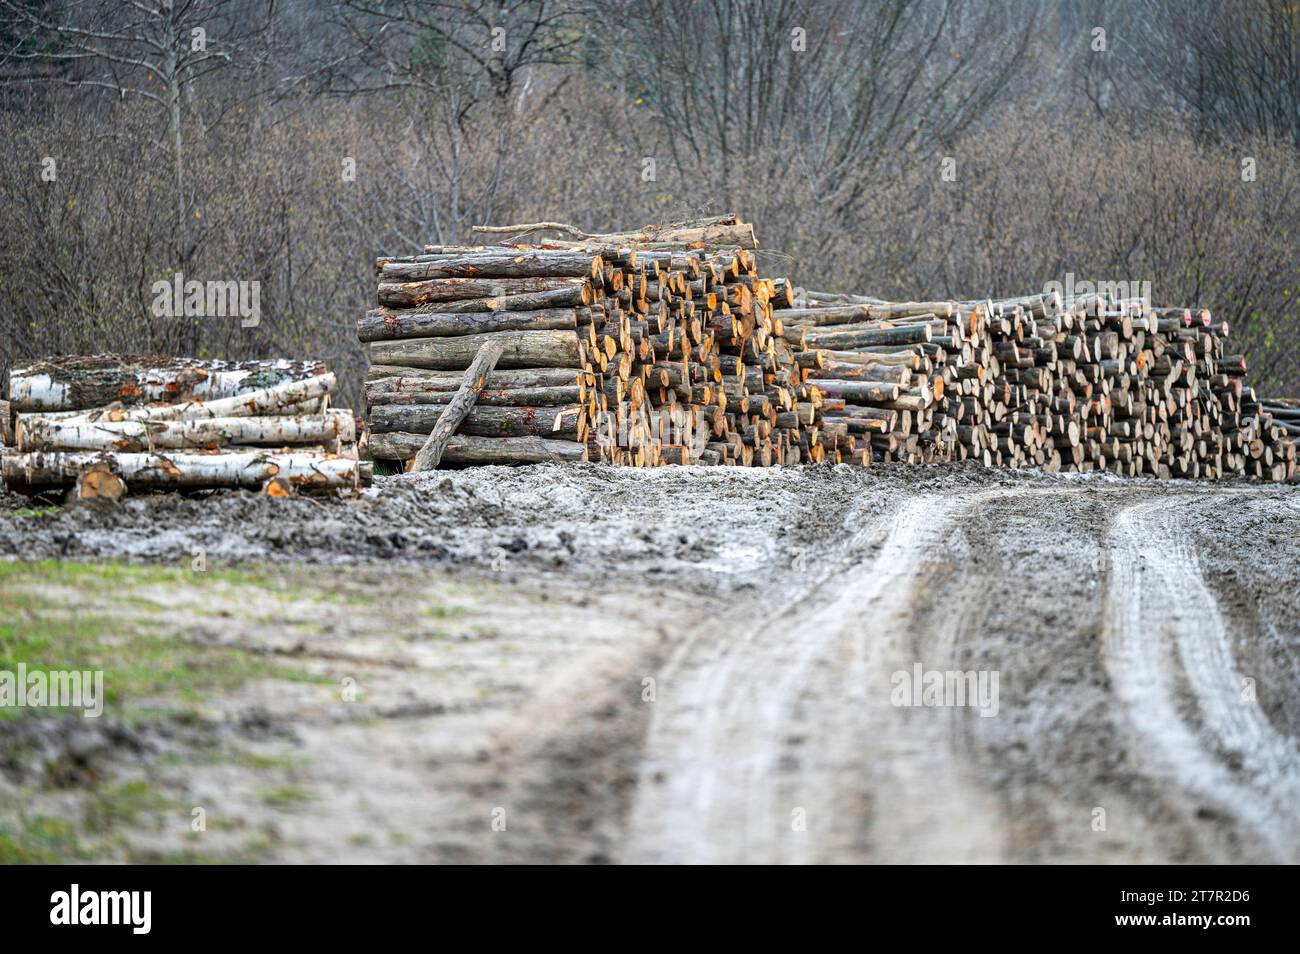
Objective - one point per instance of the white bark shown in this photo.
(266, 401)
(188, 470)
(44, 434)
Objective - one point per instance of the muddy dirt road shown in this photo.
(586, 665)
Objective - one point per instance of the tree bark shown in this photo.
(520, 349)
(519, 397)
(386, 325)
(266, 401)
(83, 382)
(57, 468)
(391, 378)
(408, 294)
(497, 264)
(466, 450)
(42, 434)
(859, 390)
(852, 336)
(560, 423)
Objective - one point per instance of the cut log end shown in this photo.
(98, 482)
(279, 487)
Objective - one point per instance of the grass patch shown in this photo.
(438, 611)
(56, 615)
(128, 804)
(36, 512)
(287, 797)
(41, 840)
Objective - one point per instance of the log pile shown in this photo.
(645, 348)
(666, 345)
(1093, 384)
(105, 423)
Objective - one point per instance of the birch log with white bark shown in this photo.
(58, 468)
(82, 382)
(266, 401)
(37, 434)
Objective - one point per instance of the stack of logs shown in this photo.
(667, 346)
(1093, 384)
(641, 349)
(104, 423)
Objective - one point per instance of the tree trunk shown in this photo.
(519, 397)
(271, 400)
(187, 470)
(391, 378)
(520, 349)
(384, 324)
(409, 294)
(84, 382)
(497, 264)
(467, 450)
(40, 434)
(560, 423)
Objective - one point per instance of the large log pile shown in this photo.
(1089, 384)
(643, 348)
(104, 423)
(666, 345)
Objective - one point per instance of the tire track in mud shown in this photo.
(792, 721)
(1163, 623)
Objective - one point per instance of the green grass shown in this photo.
(129, 804)
(142, 660)
(41, 512)
(41, 841)
(286, 797)
(445, 612)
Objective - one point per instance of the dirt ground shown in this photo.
(580, 664)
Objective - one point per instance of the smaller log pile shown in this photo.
(104, 423)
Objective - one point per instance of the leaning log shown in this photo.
(450, 417)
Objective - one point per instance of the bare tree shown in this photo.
(154, 49)
(843, 86)
(454, 75)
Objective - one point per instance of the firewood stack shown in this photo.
(1089, 384)
(639, 348)
(107, 423)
